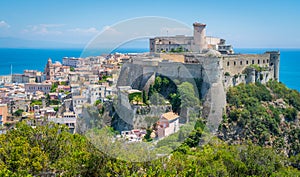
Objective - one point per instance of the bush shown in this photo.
(290, 114)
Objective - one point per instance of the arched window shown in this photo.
(241, 62)
(228, 63)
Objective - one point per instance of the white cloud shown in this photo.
(44, 29)
(85, 31)
(3, 24)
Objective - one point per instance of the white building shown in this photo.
(78, 102)
(68, 119)
(34, 87)
(98, 92)
(5, 79)
(71, 61)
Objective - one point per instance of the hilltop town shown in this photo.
(126, 84)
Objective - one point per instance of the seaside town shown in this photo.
(60, 93)
(149, 89)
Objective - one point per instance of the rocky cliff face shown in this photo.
(267, 115)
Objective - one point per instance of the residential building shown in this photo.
(68, 119)
(167, 124)
(34, 87)
(71, 61)
(3, 114)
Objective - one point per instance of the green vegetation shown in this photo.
(54, 102)
(254, 114)
(97, 102)
(104, 79)
(36, 102)
(27, 151)
(72, 69)
(54, 87)
(180, 96)
(279, 90)
(56, 108)
(260, 127)
(258, 68)
(135, 97)
(177, 50)
(187, 95)
(18, 112)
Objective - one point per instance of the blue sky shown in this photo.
(245, 24)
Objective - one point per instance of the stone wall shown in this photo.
(236, 64)
(208, 69)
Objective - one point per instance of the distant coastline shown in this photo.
(35, 59)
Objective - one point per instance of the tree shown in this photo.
(145, 98)
(187, 95)
(18, 112)
(54, 87)
(175, 102)
(136, 99)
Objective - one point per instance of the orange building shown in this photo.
(3, 114)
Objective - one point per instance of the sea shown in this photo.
(17, 60)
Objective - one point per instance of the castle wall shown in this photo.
(236, 64)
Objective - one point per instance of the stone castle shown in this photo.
(209, 59)
(203, 57)
(199, 42)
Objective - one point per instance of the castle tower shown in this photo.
(49, 70)
(199, 37)
(274, 61)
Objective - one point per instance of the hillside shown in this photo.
(260, 132)
(267, 115)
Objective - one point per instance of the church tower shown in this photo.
(49, 70)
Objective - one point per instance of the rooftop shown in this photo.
(170, 116)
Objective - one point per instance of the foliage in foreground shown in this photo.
(52, 149)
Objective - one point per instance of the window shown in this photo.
(234, 63)
(253, 62)
(267, 61)
(241, 62)
(264, 61)
(247, 62)
(258, 61)
(228, 63)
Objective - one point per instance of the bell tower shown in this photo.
(49, 70)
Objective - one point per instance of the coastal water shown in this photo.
(21, 59)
